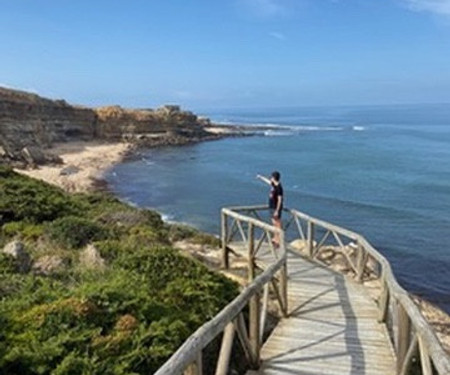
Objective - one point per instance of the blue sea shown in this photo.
(382, 171)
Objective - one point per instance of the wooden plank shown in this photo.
(243, 338)
(262, 320)
(403, 335)
(335, 318)
(255, 341)
(225, 350)
(333, 327)
(425, 358)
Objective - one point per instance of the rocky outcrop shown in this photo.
(30, 125)
(16, 250)
(49, 264)
(29, 122)
(90, 258)
(147, 127)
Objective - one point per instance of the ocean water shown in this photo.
(381, 171)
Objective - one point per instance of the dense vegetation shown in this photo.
(126, 317)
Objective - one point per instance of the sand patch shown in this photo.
(84, 164)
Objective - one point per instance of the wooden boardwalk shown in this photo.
(331, 328)
(330, 323)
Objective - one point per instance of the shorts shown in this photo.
(272, 212)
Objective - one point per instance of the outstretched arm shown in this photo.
(264, 179)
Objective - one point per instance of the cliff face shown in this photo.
(30, 124)
(118, 123)
(29, 121)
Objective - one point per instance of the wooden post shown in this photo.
(243, 338)
(425, 358)
(224, 224)
(403, 335)
(383, 304)
(262, 319)
(225, 350)
(190, 370)
(284, 280)
(412, 350)
(283, 291)
(251, 250)
(254, 329)
(254, 301)
(310, 239)
(360, 262)
(195, 368)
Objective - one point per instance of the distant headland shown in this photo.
(31, 125)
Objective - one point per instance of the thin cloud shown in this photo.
(263, 8)
(277, 35)
(440, 7)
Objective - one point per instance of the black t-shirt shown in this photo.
(276, 191)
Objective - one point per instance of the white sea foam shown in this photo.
(285, 130)
(168, 218)
(358, 128)
(277, 133)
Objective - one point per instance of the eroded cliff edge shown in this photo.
(30, 125)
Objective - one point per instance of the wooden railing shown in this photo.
(411, 335)
(253, 233)
(336, 247)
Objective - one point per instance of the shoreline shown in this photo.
(83, 168)
(83, 164)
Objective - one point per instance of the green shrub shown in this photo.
(206, 239)
(129, 318)
(23, 229)
(7, 264)
(23, 198)
(178, 232)
(117, 323)
(75, 232)
(109, 249)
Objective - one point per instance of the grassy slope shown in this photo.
(125, 319)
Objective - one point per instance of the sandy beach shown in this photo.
(83, 164)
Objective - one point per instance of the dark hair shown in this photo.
(276, 175)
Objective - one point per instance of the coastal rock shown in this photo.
(69, 170)
(301, 245)
(33, 155)
(49, 264)
(90, 258)
(16, 249)
(30, 125)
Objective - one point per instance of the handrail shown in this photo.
(413, 333)
(393, 291)
(188, 352)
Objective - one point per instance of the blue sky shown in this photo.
(230, 53)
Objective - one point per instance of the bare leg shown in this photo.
(276, 223)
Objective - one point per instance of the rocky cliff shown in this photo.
(30, 124)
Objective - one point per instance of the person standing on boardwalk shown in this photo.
(275, 201)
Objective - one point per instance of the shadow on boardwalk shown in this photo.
(331, 328)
